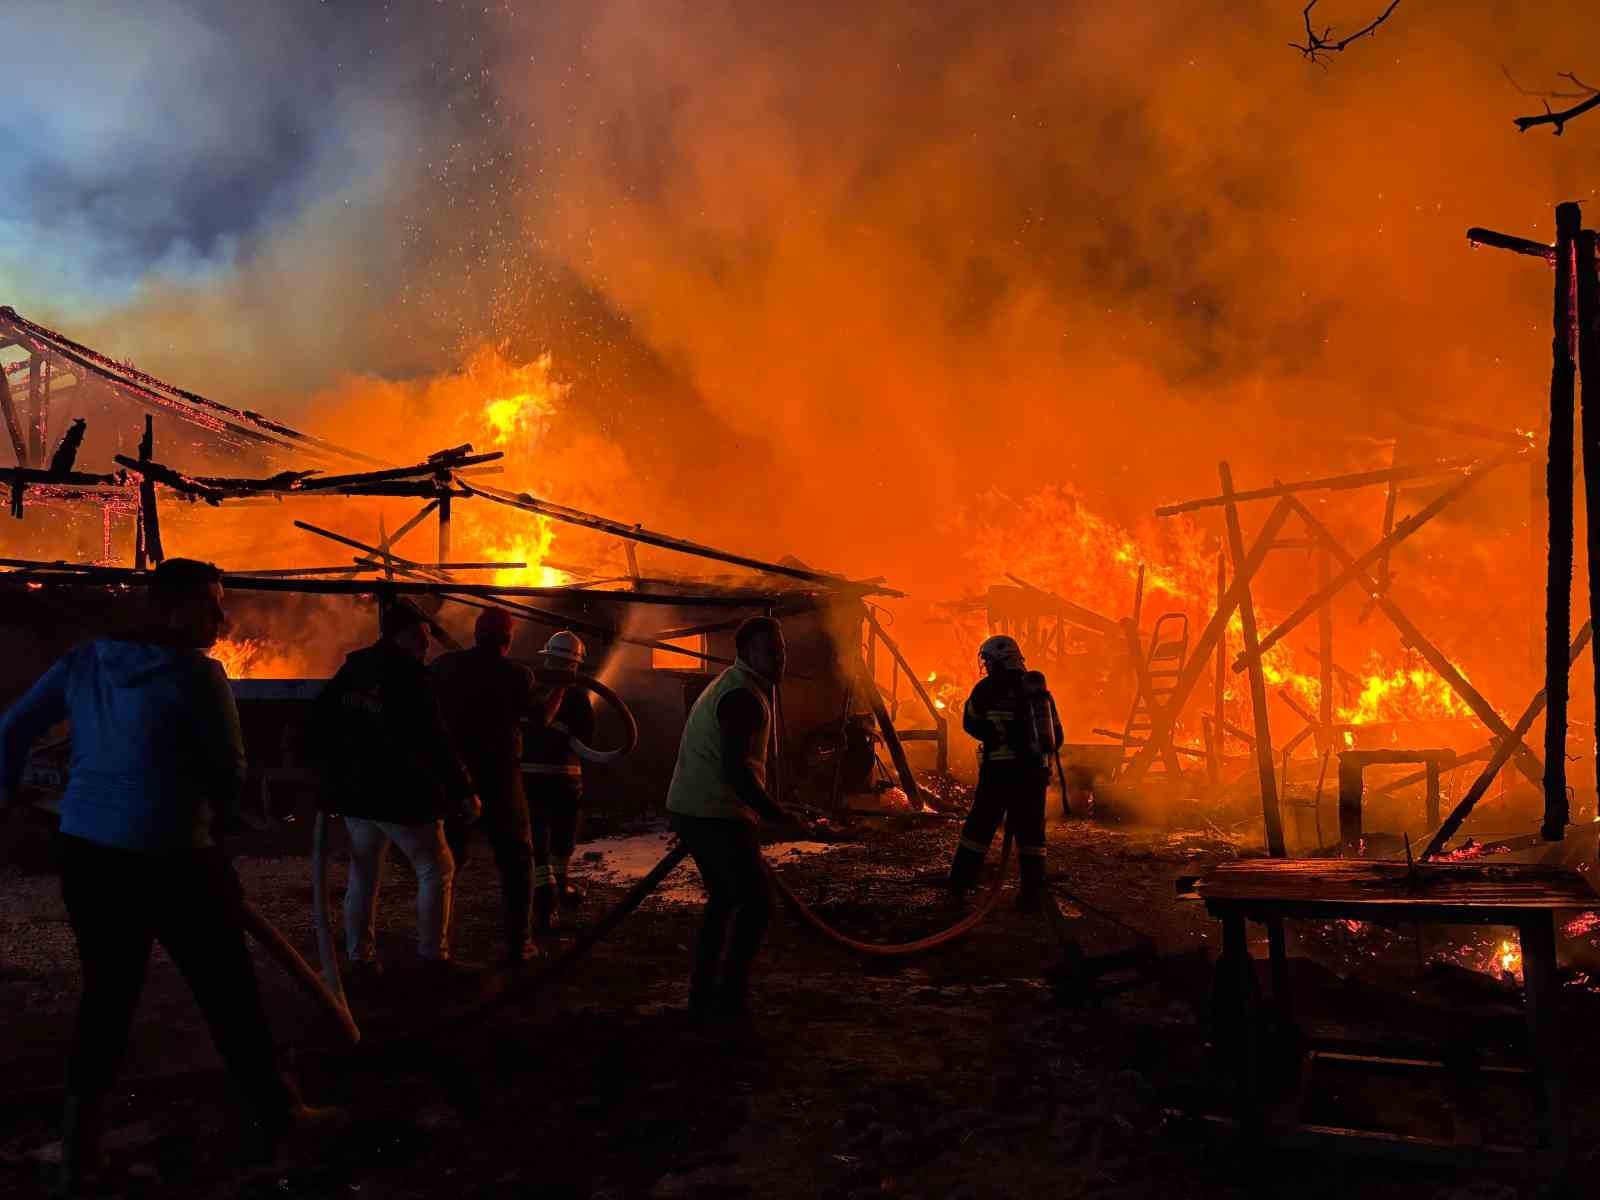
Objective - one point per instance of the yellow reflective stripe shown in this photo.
(999, 752)
(544, 875)
(548, 769)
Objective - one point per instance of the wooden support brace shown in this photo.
(1527, 762)
(1354, 569)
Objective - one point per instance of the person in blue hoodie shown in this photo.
(157, 769)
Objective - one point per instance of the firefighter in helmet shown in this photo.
(1013, 717)
(553, 774)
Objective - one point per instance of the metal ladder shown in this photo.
(1164, 663)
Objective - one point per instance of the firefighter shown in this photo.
(554, 778)
(1013, 717)
(717, 795)
(486, 698)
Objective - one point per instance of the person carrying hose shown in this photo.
(157, 772)
(553, 775)
(717, 795)
(485, 698)
(1014, 719)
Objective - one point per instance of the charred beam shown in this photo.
(1330, 483)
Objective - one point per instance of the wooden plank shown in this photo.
(1502, 755)
(1325, 644)
(1199, 657)
(1358, 479)
(1556, 818)
(637, 533)
(1219, 735)
(1258, 684)
(1527, 762)
(1509, 241)
(8, 407)
(1076, 613)
(1380, 883)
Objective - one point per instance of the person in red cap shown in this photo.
(486, 697)
(396, 775)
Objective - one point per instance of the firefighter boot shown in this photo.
(1030, 870)
(964, 870)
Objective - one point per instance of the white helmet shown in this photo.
(565, 647)
(1000, 651)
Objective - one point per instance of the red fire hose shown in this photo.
(899, 949)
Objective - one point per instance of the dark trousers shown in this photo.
(737, 893)
(121, 903)
(505, 821)
(1017, 795)
(557, 806)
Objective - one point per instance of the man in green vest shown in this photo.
(718, 794)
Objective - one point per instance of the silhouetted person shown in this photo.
(717, 796)
(486, 697)
(395, 775)
(1013, 717)
(554, 779)
(156, 774)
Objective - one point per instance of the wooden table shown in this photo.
(1528, 898)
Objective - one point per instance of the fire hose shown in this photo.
(329, 986)
(899, 949)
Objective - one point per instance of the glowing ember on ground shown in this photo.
(1582, 926)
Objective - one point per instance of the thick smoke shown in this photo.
(829, 272)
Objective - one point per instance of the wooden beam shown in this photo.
(1199, 657)
(1258, 683)
(1527, 762)
(1502, 754)
(1219, 735)
(150, 517)
(1325, 646)
(8, 407)
(1356, 568)
(1076, 613)
(637, 533)
(1359, 479)
(1509, 241)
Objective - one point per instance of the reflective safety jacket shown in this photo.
(1013, 717)
(700, 786)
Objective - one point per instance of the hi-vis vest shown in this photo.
(698, 787)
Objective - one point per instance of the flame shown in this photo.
(1053, 540)
(257, 658)
(1509, 957)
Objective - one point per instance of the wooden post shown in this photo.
(444, 529)
(1219, 734)
(1258, 685)
(1325, 650)
(1589, 398)
(1558, 488)
(150, 524)
(632, 553)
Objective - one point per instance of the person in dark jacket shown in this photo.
(395, 775)
(554, 776)
(156, 774)
(486, 697)
(717, 796)
(1014, 719)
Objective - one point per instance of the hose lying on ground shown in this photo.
(899, 949)
(287, 957)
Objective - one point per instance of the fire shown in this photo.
(256, 658)
(1509, 958)
(1054, 541)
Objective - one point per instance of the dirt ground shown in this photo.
(957, 1074)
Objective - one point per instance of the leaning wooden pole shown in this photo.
(1258, 683)
(1502, 754)
(1558, 487)
(1325, 649)
(1219, 734)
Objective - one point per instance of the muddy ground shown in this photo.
(958, 1074)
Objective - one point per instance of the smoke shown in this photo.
(822, 275)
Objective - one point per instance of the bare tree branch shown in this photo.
(1584, 91)
(1559, 119)
(1324, 43)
